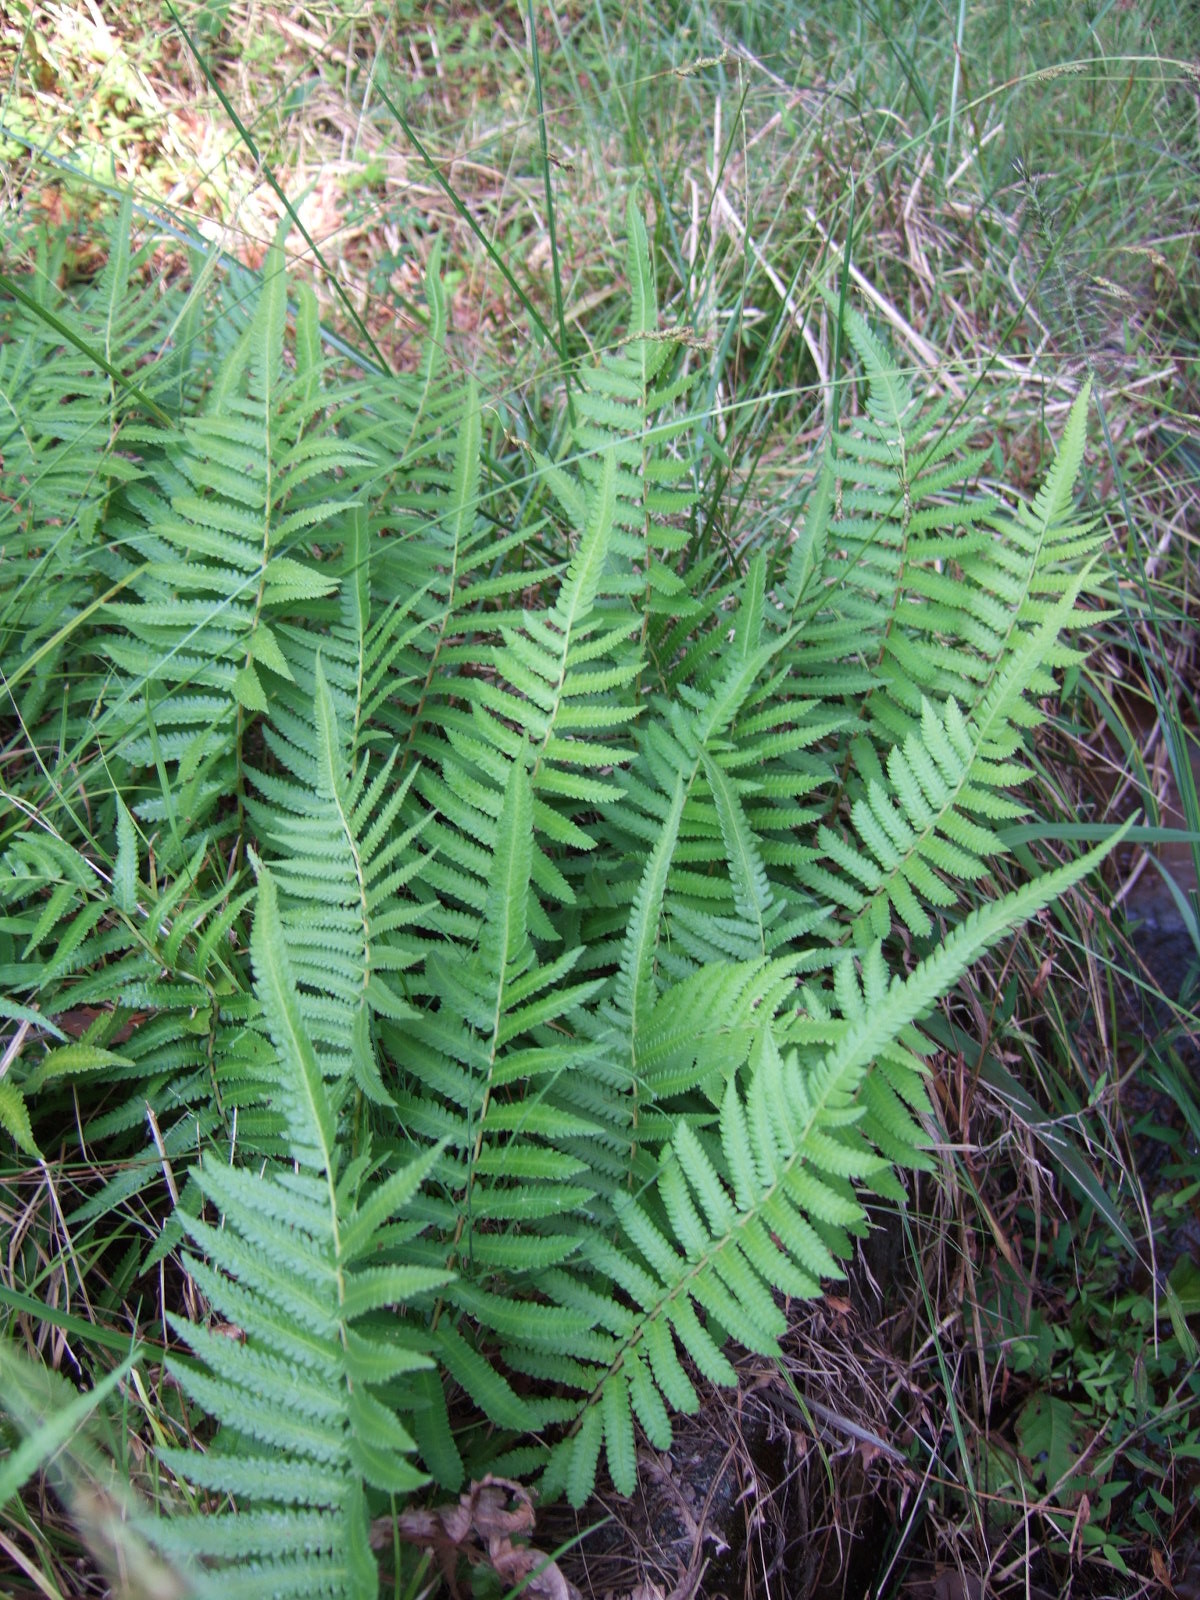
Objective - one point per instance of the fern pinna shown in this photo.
(494, 905)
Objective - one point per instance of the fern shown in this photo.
(62, 418)
(764, 1207)
(568, 1025)
(340, 871)
(152, 963)
(304, 1429)
(217, 549)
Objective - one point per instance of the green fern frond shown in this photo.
(718, 1244)
(293, 1268)
(627, 405)
(213, 560)
(960, 665)
(345, 872)
(157, 957)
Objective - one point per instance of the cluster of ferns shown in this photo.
(503, 910)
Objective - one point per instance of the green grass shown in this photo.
(1009, 192)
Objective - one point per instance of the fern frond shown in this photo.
(214, 560)
(344, 869)
(716, 1245)
(293, 1268)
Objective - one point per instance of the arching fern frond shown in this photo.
(619, 405)
(214, 553)
(144, 977)
(764, 1208)
(303, 1432)
(344, 872)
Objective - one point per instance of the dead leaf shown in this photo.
(950, 1584)
(1161, 1571)
(482, 1528)
(1082, 1516)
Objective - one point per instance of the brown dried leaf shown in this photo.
(480, 1528)
(950, 1584)
(1161, 1571)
